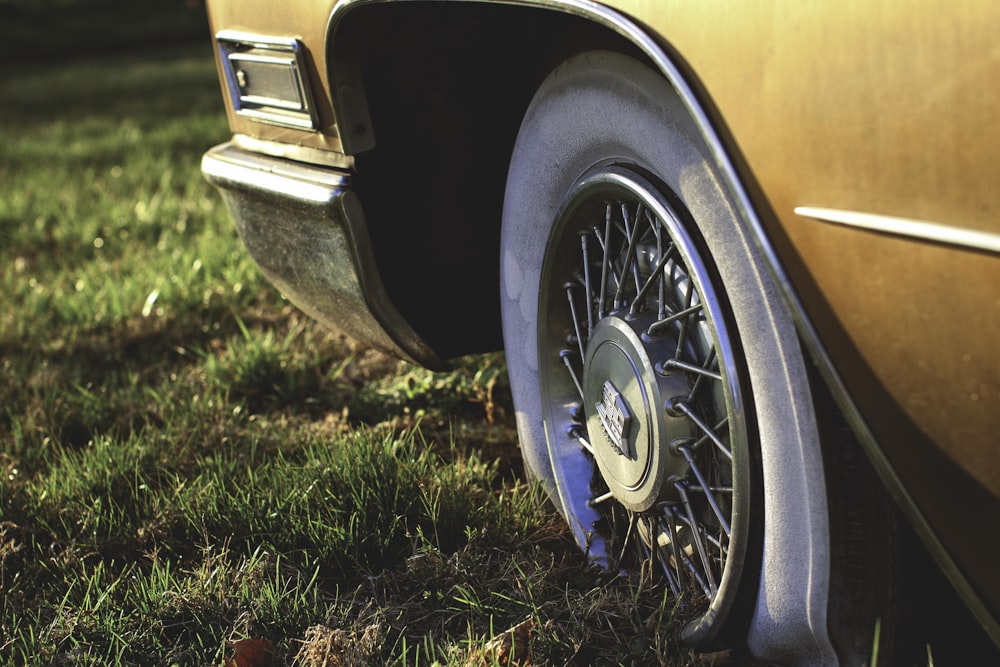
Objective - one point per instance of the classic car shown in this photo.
(742, 258)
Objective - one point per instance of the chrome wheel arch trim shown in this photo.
(655, 51)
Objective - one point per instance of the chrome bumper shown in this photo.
(306, 231)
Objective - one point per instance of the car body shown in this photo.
(856, 143)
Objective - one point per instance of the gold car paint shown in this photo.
(850, 105)
(305, 21)
(875, 107)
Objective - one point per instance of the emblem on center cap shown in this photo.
(615, 418)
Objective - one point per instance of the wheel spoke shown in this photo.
(605, 259)
(677, 364)
(715, 541)
(659, 324)
(697, 538)
(607, 271)
(705, 438)
(602, 499)
(576, 320)
(566, 354)
(709, 433)
(713, 489)
(586, 284)
(654, 279)
(685, 320)
(668, 522)
(699, 381)
(706, 488)
(693, 573)
(673, 581)
(633, 238)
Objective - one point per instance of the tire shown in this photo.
(680, 401)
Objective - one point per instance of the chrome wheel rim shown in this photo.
(640, 380)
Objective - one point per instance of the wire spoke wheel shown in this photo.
(639, 373)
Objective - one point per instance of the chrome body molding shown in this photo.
(923, 230)
(304, 228)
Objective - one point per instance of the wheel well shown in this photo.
(430, 99)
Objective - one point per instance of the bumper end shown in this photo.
(305, 229)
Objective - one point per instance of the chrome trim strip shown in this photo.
(906, 227)
(263, 41)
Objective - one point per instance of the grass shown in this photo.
(188, 462)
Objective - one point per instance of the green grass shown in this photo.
(187, 461)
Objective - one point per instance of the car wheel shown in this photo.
(651, 358)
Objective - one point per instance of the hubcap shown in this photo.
(624, 399)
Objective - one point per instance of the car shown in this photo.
(742, 259)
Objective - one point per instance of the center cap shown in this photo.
(628, 427)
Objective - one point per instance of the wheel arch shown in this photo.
(429, 96)
(414, 150)
(458, 127)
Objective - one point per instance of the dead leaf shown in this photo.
(511, 647)
(250, 653)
